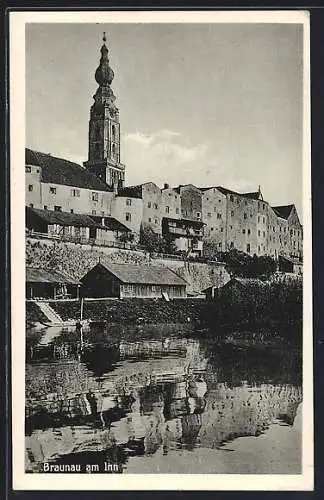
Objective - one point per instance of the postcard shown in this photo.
(161, 250)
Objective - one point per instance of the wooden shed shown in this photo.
(50, 284)
(132, 280)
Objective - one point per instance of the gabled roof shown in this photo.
(283, 211)
(110, 223)
(63, 218)
(60, 171)
(255, 195)
(136, 273)
(38, 275)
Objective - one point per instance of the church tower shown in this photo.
(104, 128)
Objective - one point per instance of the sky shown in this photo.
(208, 104)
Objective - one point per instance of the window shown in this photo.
(113, 149)
(209, 214)
(177, 210)
(238, 201)
(263, 234)
(57, 208)
(28, 170)
(149, 219)
(94, 212)
(167, 210)
(72, 211)
(249, 231)
(258, 248)
(222, 229)
(149, 205)
(245, 215)
(155, 206)
(243, 231)
(231, 198)
(156, 221)
(232, 244)
(212, 229)
(232, 213)
(95, 196)
(30, 187)
(248, 248)
(113, 132)
(128, 202)
(231, 227)
(219, 216)
(75, 193)
(52, 190)
(245, 203)
(258, 218)
(128, 217)
(259, 233)
(102, 213)
(45, 207)
(198, 214)
(263, 220)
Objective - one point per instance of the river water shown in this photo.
(142, 402)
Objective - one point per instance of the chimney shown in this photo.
(166, 186)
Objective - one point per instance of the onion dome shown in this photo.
(104, 75)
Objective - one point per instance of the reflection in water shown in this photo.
(137, 399)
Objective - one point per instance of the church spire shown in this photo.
(104, 127)
(104, 75)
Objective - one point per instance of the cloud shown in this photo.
(163, 156)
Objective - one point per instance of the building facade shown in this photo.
(229, 220)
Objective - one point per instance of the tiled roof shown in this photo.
(150, 275)
(62, 218)
(111, 223)
(36, 275)
(254, 195)
(131, 191)
(59, 171)
(283, 211)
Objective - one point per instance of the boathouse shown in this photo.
(132, 280)
(50, 284)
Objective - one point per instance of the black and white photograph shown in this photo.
(161, 250)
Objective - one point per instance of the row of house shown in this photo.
(186, 215)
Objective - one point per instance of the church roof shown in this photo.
(283, 211)
(60, 171)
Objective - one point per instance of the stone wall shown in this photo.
(76, 260)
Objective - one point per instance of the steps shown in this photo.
(49, 312)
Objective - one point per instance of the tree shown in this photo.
(154, 242)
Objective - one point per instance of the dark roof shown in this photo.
(136, 273)
(63, 218)
(37, 275)
(111, 223)
(186, 222)
(254, 195)
(283, 211)
(131, 191)
(59, 171)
